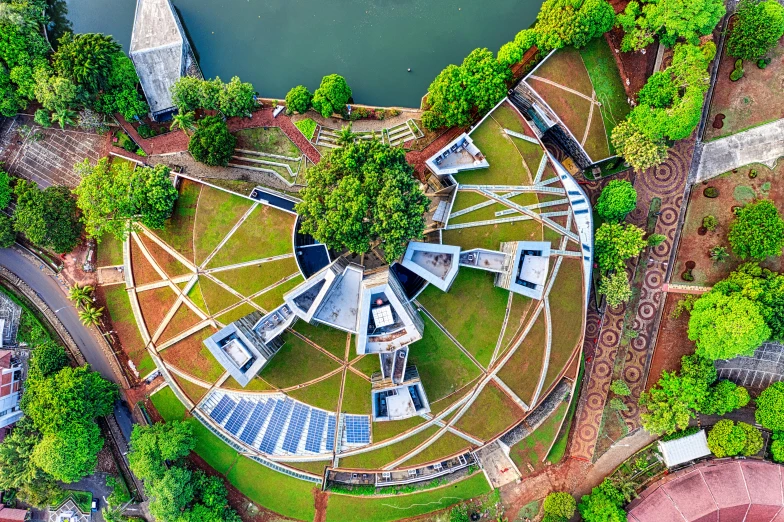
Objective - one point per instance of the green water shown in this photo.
(276, 44)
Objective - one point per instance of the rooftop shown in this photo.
(400, 402)
(459, 154)
(527, 274)
(341, 304)
(437, 264)
(483, 259)
(684, 449)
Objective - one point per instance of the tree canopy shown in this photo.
(728, 439)
(115, 198)
(614, 243)
(616, 288)
(757, 27)
(770, 407)
(561, 23)
(49, 218)
(757, 231)
(669, 20)
(560, 504)
(235, 98)
(616, 200)
(360, 194)
(212, 143)
(604, 504)
(332, 95)
(299, 100)
(152, 445)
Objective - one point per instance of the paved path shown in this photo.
(763, 144)
(667, 181)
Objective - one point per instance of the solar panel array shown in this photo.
(277, 425)
(357, 429)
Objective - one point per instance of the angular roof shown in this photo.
(12, 515)
(437, 264)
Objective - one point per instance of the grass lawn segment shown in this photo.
(118, 304)
(572, 109)
(472, 311)
(518, 314)
(216, 215)
(183, 319)
(296, 363)
(378, 458)
(281, 493)
(508, 118)
(271, 140)
(165, 261)
(265, 233)
(369, 364)
(442, 366)
(178, 229)
(192, 390)
(346, 508)
(491, 413)
(323, 394)
(154, 305)
(192, 357)
(533, 449)
(215, 296)
(491, 236)
(488, 213)
(143, 271)
(248, 280)
(110, 251)
(273, 298)
(331, 339)
(307, 127)
(446, 445)
(236, 313)
(523, 370)
(388, 429)
(255, 384)
(356, 395)
(506, 164)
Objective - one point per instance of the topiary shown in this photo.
(710, 192)
(710, 222)
(737, 72)
(763, 62)
(687, 276)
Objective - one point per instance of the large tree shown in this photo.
(757, 231)
(725, 326)
(332, 95)
(638, 149)
(727, 439)
(757, 28)
(49, 217)
(152, 446)
(770, 407)
(69, 454)
(604, 504)
(361, 194)
(670, 20)
(561, 23)
(617, 199)
(19, 472)
(116, 198)
(86, 59)
(212, 143)
(299, 99)
(614, 243)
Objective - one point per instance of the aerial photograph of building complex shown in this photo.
(512, 261)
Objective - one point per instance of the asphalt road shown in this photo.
(48, 289)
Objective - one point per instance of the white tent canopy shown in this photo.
(685, 449)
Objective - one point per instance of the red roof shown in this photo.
(5, 358)
(12, 515)
(727, 490)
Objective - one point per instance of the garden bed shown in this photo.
(192, 357)
(672, 342)
(118, 305)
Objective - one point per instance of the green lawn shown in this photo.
(216, 297)
(446, 445)
(178, 229)
(489, 212)
(442, 366)
(183, 319)
(523, 370)
(607, 83)
(472, 311)
(567, 312)
(506, 167)
(558, 450)
(216, 215)
(508, 118)
(324, 394)
(271, 140)
(192, 357)
(388, 429)
(110, 251)
(196, 297)
(491, 236)
(295, 363)
(331, 339)
(192, 390)
(466, 198)
(533, 449)
(236, 313)
(368, 364)
(437, 407)
(521, 306)
(346, 508)
(248, 280)
(490, 414)
(168, 263)
(118, 304)
(356, 395)
(255, 384)
(265, 233)
(273, 298)
(307, 127)
(378, 458)
(283, 494)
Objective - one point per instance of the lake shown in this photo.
(277, 44)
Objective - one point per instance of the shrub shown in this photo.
(655, 240)
(671, 20)
(762, 63)
(777, 446)
(737, 72)
(42, 118)
(125, 142)
(145, 131)
(770, 407)
(616, 404)
(710, 222)
(560, 504)
(718, 254)
(757, 28)
(619, 387)
(711, 192)
(332, 95)
(617, 199)
(616, 288)
(299, 99)
(307, 127)
(757, 231)
(212, 143)
(752, 173)
(687, 275)
(615, 243)
(725, 396)
(725, 439)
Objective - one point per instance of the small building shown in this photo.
(10, 388)
(8, 514)
(161, 53)
(10, 314)
(241, 349)
(527, 274)
(458, 155)
(685, 449)
(437, 264)
(398, 400)
(68, 511)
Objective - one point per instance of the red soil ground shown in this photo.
(634, 67)
(671, 342)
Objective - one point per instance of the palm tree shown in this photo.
(345, 136)
(185, 121)
(90, 315)
(81, 295)
(64, 116)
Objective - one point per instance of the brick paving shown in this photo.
(668, 182)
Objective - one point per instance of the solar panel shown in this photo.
(223, 408)
(260, 413)
(357, 429)
(238, 416)
(315, 431)
(330, 432)
(296, 427)
(279, 416)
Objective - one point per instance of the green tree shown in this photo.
(332, 95)
(184, 121)
(212, 143)
(726, 439)
(170, 494)
(360, 194)
(237, 98)
(560, 504)
(603, 504)
(19, 472)
(513, 52)
(770, 407)
(152, 446)
(485, 79)
(86, 59)
(619, 387)
(754, 441)
(90, 315)
(42, 118)
(669, 20)
(561, 23)
(64, 117)
(659, 90)
(49, 217)
(81, 295)
(116, 199)
(186, 94)
(121, 93)
(47, 359)
(614, 243)
(776, 447)
(757, 28)
(639, 150)
(70, 454)
(299, 99)
(757, 231)
(725, 326)
(617, 404)
(345, 136)
(616, 288)
(617, 199)
(723, 397)
(7, 233)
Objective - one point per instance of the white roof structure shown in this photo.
(484, 259)
(457, 155)
(160, 52)
(685, 449)
(400, 402)
(527, 274)
(436, 264)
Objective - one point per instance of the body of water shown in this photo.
(277, 44)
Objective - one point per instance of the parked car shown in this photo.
(94, 505)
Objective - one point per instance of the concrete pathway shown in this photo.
(763, 144)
